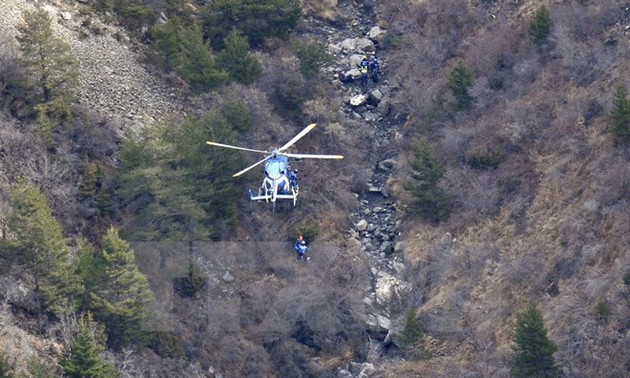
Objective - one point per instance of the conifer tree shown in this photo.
(621, 115)
(5, 366)
(176, 187)
(533, 350)
(41, 246)
(85, 359)
(312, 55)
(412, 340)
(39, 369)
(197, 65)
(120, 302)
(90, 268)
(257, 19)
(458, 82)
(236, 59)
(540, 26)
(426, 173)
(54, 69)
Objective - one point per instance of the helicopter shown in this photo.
(280, 182)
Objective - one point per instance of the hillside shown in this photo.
(531, 204)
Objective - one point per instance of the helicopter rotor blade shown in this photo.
(297, 137)
(235, 147)
(251, 166)
(313, 156)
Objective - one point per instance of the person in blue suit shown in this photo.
(301, 248)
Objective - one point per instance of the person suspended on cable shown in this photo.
(301, 249)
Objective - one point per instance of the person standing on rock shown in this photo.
(364, 67)
(375, 68)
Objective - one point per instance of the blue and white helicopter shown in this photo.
(280, 182)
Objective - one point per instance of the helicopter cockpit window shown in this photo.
(275, 169)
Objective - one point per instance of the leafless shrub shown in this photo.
(321, 8)
(477, 193)
(285, 86)
(10, 69)
(494, 53)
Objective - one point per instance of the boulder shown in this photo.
(364, 45)
(348, 44)
(367, 370)
(358, 100)
(376, 96)
(371, 116)
(228, 277)
(387, 165)
(377, 34)
(361, 225)
(384, 106)
(387, 248)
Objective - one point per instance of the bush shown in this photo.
(5, 365)
(167, 345)
(312, 55)
(412, 338)
(602, 310)
(621, 115)
(132, 14)
(308, 229)
(483, 158)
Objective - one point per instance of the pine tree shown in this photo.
(256, 19)
(39, 369)
(54, 69)
(426, 173)
(197, 65)
(540, 26)
(120, 302)
(5, 366)
(176, 187)
(85, 359)
(236, 59)
(167, 42)
(458, 82)
(312, 55)
(41, 246)
(621, 115)
(90, 268)
(412, 339)
(533, 350)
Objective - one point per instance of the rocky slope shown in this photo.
(113, 81)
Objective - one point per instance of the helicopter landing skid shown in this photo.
(268, 197)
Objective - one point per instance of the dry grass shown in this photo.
(550, 224)
(325, 9)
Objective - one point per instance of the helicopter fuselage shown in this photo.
(276, 184)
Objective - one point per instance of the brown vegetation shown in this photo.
(545, 224)
(539, 193)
